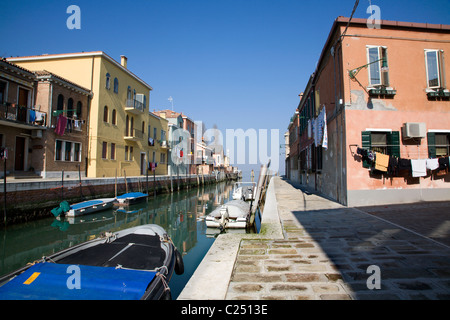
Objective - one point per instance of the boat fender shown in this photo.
(167, 295)
(179, 264)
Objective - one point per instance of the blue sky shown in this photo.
(233, 63)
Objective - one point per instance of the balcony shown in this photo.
(134, 106)
(133, 135)
(17, 116)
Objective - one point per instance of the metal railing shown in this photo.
(137, 105)
(21, 114)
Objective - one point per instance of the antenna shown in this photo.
(171, 101)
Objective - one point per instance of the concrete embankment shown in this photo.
(29, 199)
(311, 248)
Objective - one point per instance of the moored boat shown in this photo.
(135, 263)
(90, 206)
(244, 191)
(232, 215)
(131, 198)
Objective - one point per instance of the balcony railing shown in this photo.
(134, 135)
(22, 115)
(134, 106)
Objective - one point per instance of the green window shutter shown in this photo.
(366, 138)
(431, 137)
(393, 141)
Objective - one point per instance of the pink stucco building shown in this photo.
(386, 95)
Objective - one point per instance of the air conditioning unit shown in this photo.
(412, 130)
(36, 134)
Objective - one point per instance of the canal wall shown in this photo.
(32, 199)
(217, 266)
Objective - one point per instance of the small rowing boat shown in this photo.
(131, 198)
(130, 264)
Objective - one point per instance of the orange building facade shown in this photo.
(387, 101)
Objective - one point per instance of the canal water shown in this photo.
(181, 214)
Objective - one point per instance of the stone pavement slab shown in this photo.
(329, 251)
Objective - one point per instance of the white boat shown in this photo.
(244, 191)
(130, 264)
(232, 215)
(131, 198)
(90, 206)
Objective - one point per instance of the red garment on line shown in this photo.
(61, 125)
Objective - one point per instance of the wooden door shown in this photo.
(19, 163)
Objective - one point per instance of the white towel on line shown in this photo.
(419, 168)
(432, 164)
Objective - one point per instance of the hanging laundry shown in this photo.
(404, 164)
(443, 163)
(61, 125)
(432, 164)
(419, 168)
(32, 116)
(381, 162)
(325, 133)
(393, 166)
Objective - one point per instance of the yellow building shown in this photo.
(124, 136)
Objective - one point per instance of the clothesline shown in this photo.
(393, 164)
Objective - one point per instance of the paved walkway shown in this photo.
(328, 251)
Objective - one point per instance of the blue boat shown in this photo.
(132, 264)
(90, 206)
(131, 198)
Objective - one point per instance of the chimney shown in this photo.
(123, 61)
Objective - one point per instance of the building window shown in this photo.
(438, 144)
(108, 81)
(60, 103)
(383, 142)
(116, 85)
(70, 108)
(163, 158)
(131, 154)
(113, 151)
(79, 108)
(114, 117)
(58, 150)
(154, 134)
(2, 92)
(77, 152)
(126, 153)
(105, 114)
(378, 66)
(434, 67)
(70, 150)
(129, 93)
(104, 150)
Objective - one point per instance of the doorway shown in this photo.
(19, 162)
(143, 164)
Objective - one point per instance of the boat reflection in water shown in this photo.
(181, 214)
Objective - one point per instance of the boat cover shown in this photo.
(49, 281)
(132, 195)
(85, 204)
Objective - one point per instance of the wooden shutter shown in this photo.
(431, 137)
(393, 141)
(366, 139)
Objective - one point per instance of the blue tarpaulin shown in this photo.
(132, 195)
(52, 281)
